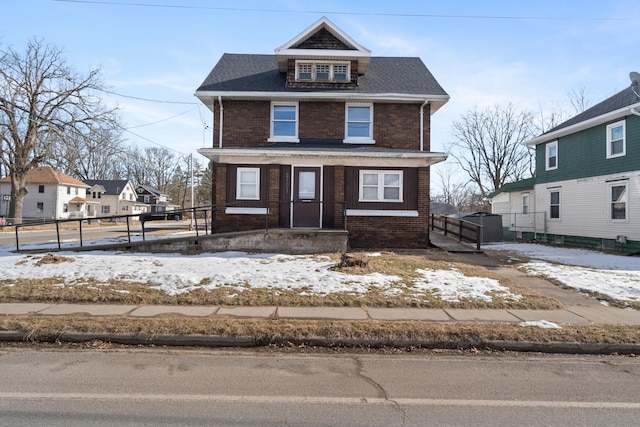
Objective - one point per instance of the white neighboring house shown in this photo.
(586, 191)
(113, 197)
(50, 195)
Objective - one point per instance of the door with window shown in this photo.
(306, 197)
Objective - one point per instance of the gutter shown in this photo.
(221, 121)
(634, 111)
(426, 101)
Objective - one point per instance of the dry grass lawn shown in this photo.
(401, 264)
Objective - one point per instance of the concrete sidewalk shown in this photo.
(572, 315)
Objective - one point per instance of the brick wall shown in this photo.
(247, 123)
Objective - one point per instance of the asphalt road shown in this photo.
(71, 237)
(160, 387)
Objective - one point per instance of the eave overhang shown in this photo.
(435, 101)
(596, 121)
(342, 157)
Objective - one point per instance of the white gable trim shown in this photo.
(323, 22)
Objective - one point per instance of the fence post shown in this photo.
(446, 226)
(58, 233)
(80, 222)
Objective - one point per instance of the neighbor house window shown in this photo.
(322, 71)
(146, 199)
(68, 190)
(284, 123)
(552, 155)
(40, 207)
(40, 188)
(618, 194)
(248, 184)
(554, 204)
(525, 203)
(65, 207)
(359, 123)
(616, 141)
(106, 209)
(380, 186)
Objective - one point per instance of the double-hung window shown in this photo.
(359, 124)
(554, 204)
(616, 141)
(284, 122)
(248, 184)
(618, 200)
(551, 156)
(380, 186)
(525, 203)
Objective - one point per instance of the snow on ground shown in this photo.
(613, 275)
(176, 274)
(616, 276)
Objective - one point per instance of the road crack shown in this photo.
(382, 392)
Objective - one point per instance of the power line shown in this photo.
(325, 12)
(145, 99)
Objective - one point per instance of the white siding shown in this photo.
(585, 207)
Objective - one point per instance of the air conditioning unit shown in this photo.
(621, 239)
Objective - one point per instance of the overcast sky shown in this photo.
(482, 52)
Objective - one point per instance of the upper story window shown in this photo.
(551, 156)
(284, 122)
(40, 188)
(616, 141)
(248, 184)
(68, 190)
(322, 71)
(380, 186)
(359, 123)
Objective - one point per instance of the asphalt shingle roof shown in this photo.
(624, 98)
(259, 73)
(112, 186)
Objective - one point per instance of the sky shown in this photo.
(155, 53)
(616, 276)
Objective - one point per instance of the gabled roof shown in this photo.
(258, 77)
(113, 187)
(151, 190)
(48, 175)
(525, 184)
(612, 108)
(345, 47)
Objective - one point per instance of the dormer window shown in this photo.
(322, 71)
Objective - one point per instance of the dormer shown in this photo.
(322, 56)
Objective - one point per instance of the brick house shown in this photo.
(322, 135)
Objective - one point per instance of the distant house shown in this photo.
(323, 135)
(155, 199)
(114, 197)
(50, 195)
(586, 191)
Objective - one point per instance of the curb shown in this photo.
(246, 342)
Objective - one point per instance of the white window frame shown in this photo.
(256, 184)
(331, 65)
(625, 201)
(525, 203)
(559, 204)
(380, 185)
(283, 138)
(547, 156)
(358, 139)
(610, 128)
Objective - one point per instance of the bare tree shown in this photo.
(454, 191)
(489, 148)
(96, 155)
(161, 166)
(41, 99)
(556, 112)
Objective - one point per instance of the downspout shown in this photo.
(634, 111)
(426, 101)
(221, 121)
